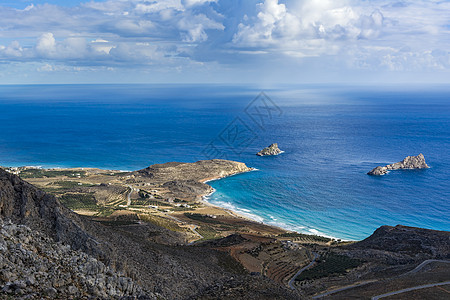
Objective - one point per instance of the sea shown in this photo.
(331, 137)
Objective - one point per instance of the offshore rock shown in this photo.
(271, 150)
(410, 162)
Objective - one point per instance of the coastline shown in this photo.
(233, 213)
(250, 216)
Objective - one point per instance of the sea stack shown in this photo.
(271, 150)
(410, 162)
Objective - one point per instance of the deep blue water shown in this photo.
(331, 137)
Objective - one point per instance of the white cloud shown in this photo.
(46, 45)
(316, 28)
(177, 34)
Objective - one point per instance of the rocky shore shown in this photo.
(410, 162)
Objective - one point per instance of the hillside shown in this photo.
(122, 253)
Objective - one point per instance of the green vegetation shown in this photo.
(41, 173)
(70, 184)
(117, 222)
(207, 232)
(305, 237)
(121, 174)
(176, 200)
(182, 208)
(202, 218)
(105, 211)
(329, 264)
(79, 201)
(161, 222)
(230, 264)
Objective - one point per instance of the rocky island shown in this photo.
(271, 150)
(410, 162)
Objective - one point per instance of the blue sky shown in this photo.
(224, 41)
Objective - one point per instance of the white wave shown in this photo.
(244, 212)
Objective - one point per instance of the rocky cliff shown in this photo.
(271, 150)
(410, 162)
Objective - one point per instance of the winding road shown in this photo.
(129, 194)
(424, 286)
(413, 271)
(291, 282)
(194, 229)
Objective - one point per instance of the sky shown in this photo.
(225, 41)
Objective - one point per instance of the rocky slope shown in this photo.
(402, 244)
(271, 150)
(410, 162)
(24, 204)
(33, 265)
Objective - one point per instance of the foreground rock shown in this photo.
(271, 150)
(32, 264)
(410, 162)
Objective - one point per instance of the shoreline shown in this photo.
(204, 200)
(234, 213)
(246, 216)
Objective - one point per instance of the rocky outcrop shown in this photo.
(33, 265)
(410, 162)
(22, 203)
(271, 150)
(407, 242)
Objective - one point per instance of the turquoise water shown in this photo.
(331, 137)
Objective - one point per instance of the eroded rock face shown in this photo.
(22, 203)
(271, 150)
(410, 162)
(33, 265)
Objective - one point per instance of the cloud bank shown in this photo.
(147, 35)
